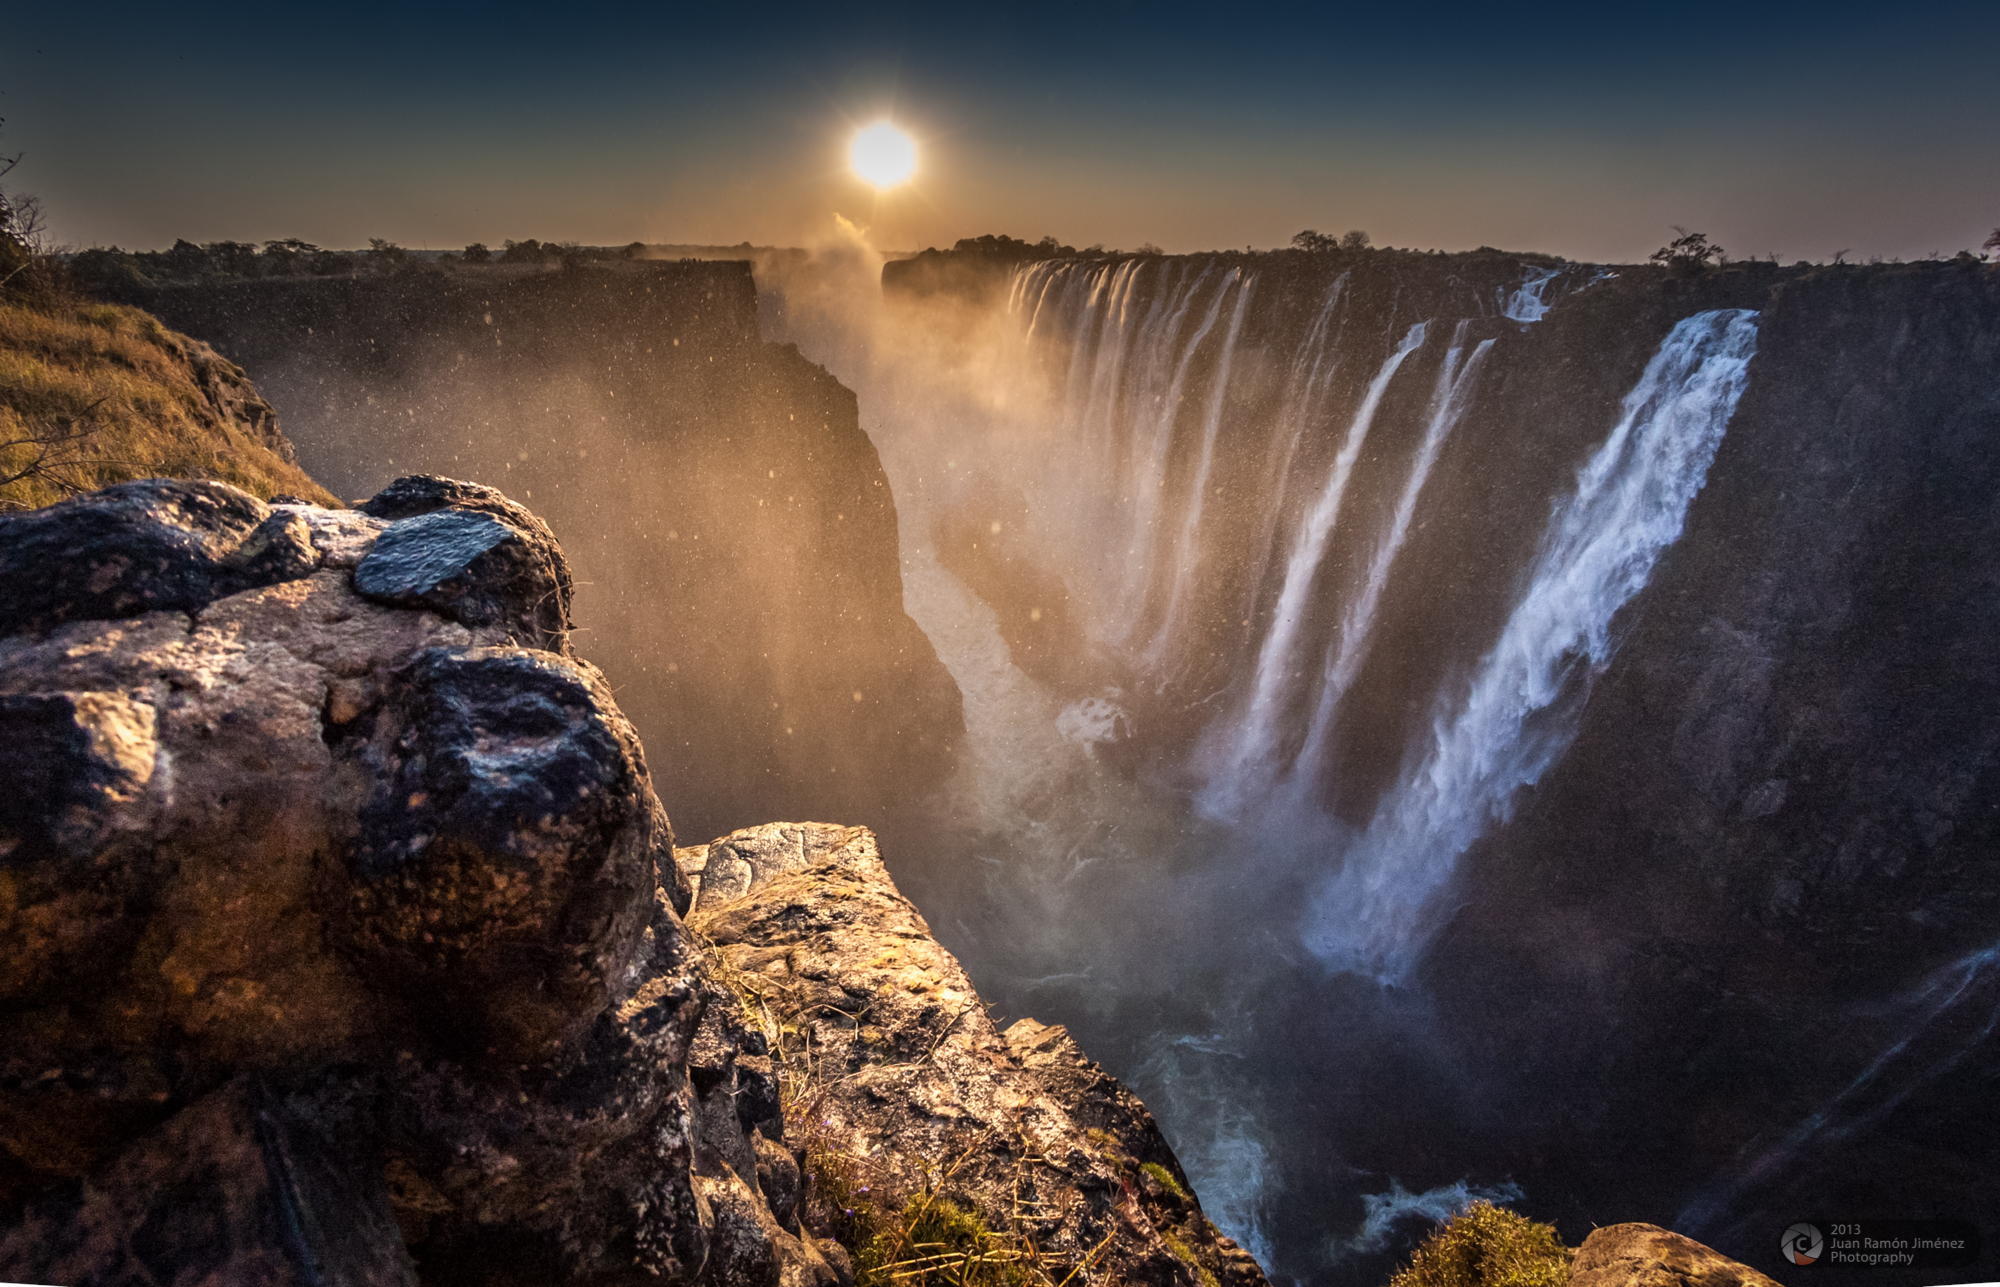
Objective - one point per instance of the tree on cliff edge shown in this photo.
(1689, 252)
(22, 241)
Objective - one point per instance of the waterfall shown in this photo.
(1357, 627)
(1160, 416)
(1374, 915)
(1125, 366)
(1525, 304)
(1245, 766)
(1183, 558)
(1308, 380)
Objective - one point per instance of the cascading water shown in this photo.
(1344, 657)
(1181, 556)
(1138, 391)
(1525, 303)
(1248, 762)
(1374, 915)
(1128, 380)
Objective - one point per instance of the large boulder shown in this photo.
(338, 930)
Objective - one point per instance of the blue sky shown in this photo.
(1585, 130)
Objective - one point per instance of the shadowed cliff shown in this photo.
(1626, 779)
(734, 535)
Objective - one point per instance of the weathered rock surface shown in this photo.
(337, 930)
(908, 1101)
(1645, 1255)
(340, 943)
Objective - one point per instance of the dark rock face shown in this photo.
(499, 875)
(238, 1187)
(1779, 814)
(733, 531)
(903, 1093)
(340, 942)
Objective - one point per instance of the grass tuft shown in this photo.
(1165, 1179)
(1488, 1246)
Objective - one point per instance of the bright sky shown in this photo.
(1582, 130)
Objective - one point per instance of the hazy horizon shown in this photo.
(1577, 132)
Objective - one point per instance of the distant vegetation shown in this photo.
(110, 269)
(1314, 242)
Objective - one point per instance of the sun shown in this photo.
(883, 155)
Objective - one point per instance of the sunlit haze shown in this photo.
(1586, 132)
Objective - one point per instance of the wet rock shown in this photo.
(906, 1097)
(1645, 1255)
(147, 546)
(468, 566)
(469, 553)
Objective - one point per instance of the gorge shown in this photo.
(1435, 725)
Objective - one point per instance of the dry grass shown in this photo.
(92, 394)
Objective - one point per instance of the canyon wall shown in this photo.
(1575, 682)
(734, 535)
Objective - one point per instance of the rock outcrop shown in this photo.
(339, 913)
(931, 1135)
(341, 943)
(1645, 1255)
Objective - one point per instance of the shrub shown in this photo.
(1488, 1246)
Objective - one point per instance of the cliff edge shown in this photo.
(343, 941)
(99, 393)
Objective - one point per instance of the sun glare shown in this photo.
(883, 155)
